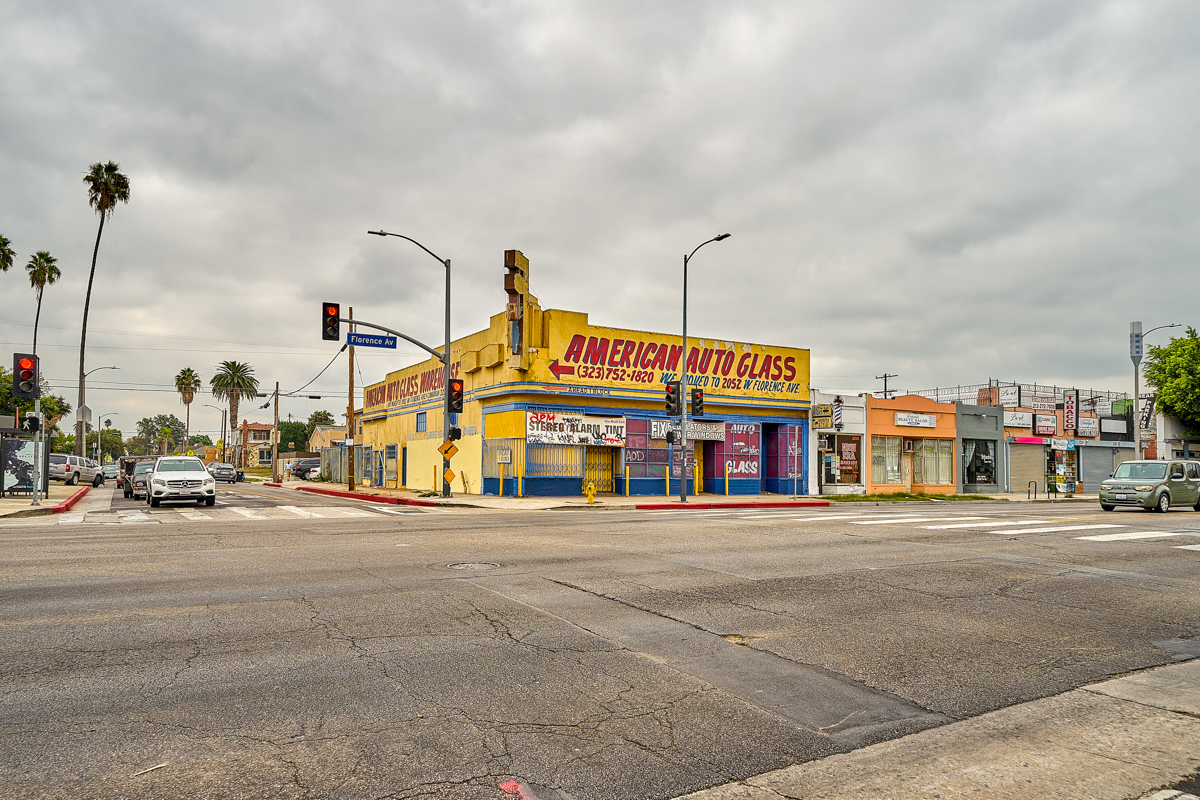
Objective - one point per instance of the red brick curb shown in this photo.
(699, 506)
(65, 505)
(373, 498)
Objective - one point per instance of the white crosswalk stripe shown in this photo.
(1118, 537)
(299, 512)
(907, 520)
(1057, 529)
(1186, 546)
(985, 524)
(249, 513)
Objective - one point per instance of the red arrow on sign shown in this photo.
(559, 370)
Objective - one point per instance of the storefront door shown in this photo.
(600, 468)
(906, 470)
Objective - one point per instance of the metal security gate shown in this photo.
(600, 468)
(1096, 464)
(1026, 462)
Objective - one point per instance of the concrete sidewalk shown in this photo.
(1125, 738)
(21, 506)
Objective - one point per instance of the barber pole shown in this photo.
(837, 413)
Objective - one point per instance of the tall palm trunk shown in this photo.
(79, 424)
(36, 318)
(187, 426)
(233, 409)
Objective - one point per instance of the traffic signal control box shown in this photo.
(25, 376)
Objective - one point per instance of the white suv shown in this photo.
(73, 469)
(180, 478)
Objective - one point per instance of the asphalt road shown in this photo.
(286, 646)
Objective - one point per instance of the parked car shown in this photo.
(1152, 485)
(223, 472)
(305, 467)
(73, 469)
(110, 472)
(133, 480)
(174, 478)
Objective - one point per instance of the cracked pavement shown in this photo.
(610, 655)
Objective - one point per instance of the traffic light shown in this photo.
(673, 403)
(25, 376)
(697, 402)
(331, 328)
(454, 396)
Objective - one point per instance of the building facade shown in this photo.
(910, 444)
(838, 443)
(252, 442)
(554, 403)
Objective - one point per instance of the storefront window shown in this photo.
(849, 458)
(979, 461)
(933, 461)
(1061, 469)
(885, 459)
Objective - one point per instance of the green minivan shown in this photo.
(1153, 485)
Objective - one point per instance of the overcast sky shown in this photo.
(945, 191)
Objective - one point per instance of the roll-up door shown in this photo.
(1097, 463)
(1027, 462)
(1123, 454)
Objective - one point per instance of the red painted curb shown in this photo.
(273, 485)
(699, 506)
(373, 498)
(65, 505)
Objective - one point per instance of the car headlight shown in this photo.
(157, 482)
(1143, 488)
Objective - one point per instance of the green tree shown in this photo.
(43, 271)
(199, 439)
(149, 431)
(7, 254)
(54, 407)
(106, 187)
(233, 381)
(187, 383)
(1174, 372)
(111, 443)
(62, 444)
(166, 437)
(315, 419)
(292, 433)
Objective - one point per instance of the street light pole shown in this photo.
(99, 433)
(80, 423)
(445, 353)
(1136, 337)
(683, 387)
(222, 440)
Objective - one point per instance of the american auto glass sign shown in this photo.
(616, 358)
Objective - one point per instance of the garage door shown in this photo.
(1097, 464)
(1027, 462)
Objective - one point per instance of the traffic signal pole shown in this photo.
(350, 415)
(683, 387)
(446, 392)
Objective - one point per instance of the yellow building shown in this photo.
(553, 403)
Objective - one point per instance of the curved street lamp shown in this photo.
(683, 387)
(98, 432)
(80, 430)
(218, 408)
(1135, 332)
(446, 355)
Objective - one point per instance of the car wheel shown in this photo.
(210, 502)
(154, 502)
(74, 479)
(1107, 507)
(97, 481)
(126, 492)
(1164, 503)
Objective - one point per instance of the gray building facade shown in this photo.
(981, 451)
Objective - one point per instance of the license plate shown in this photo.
(1121, 496)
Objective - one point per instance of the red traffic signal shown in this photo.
(454, 396)
(331, 326)
(25, 376)
(697, 402)
(673, 404)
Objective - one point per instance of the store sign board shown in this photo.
(1045, 424)
(1103, 407)
(1088, 428)
(582, 355)
(910, 420)
(1113, 426)
(1071, 410)
(1062, 444)
(1018, 419)
(548, 427)
(1043, 402)
(822, 423)
(697, 430)
(1009, 396)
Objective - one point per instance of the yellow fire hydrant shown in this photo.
(591, 493)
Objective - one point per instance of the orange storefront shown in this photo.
(910, 443)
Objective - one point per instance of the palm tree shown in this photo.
(187, 383)
(233, 381)
(7, 254)
(43, 271)
(165, 436)
(106, 187)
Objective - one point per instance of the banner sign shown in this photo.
(548, 427)
(1010, 396)
(1045, 424)
(1043, 402)
(1071, 410)
(1103, 407)
(1018, 419)
(908, 420)
(1113, 426)
(697, 430)
(1089, 428)
(1062, 444)
(822, 423)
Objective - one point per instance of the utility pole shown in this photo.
(350, 416)
(884, 377)
(275, 440)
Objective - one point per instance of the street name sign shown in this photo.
(371, 340)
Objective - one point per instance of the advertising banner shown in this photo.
(909, 420)
(1043, 402)
(547, 427)
(1010, 396)
(1113, 426)
(698, 430)
(1018, 419)
(1045, 424)
(18, 456)
(1088, 428)
(1071, 410)
(1103, 407)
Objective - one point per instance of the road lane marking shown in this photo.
(133, 516)
(986, 524)
(300, 512)
(387, 510)
(349, 512)
(908, 520)
(193, 515)
(1117, 537)
(1186, 546)
(1055, 530)
(248, 513)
